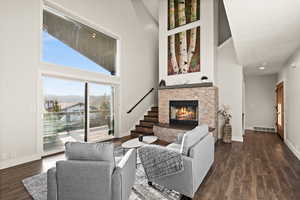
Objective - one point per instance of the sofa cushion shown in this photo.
(192, 137)
(90, 151)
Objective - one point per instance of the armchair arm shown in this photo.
(124, 176)
(181, 182)
(51, 184)
(179, 138)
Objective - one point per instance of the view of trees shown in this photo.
(58, 118)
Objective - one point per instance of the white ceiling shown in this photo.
(264, 32)
(153, 7)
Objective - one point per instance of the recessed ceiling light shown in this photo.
(261, 68)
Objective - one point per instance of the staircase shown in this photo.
(145, 126)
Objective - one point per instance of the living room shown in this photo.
(180, 75)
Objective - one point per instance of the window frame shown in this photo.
(70, 73)
(50, 6)
(86, 94)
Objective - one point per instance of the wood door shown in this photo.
(280, 110)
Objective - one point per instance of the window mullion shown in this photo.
(86, 112)
(184, 28)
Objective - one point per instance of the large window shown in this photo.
(67, 42)
(76, 111)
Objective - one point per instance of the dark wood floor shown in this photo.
(260, 168)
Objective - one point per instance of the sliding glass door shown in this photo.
(100, 112)
(76, 111)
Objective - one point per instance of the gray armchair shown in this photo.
(197, 149)
(90, 173)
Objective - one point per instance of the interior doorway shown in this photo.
(280, 109)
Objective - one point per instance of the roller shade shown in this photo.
(95, 45)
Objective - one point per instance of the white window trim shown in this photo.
(184, 27)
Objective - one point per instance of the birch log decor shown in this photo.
(184, 47)
(172, 38)
(183, 58)
(193, 33)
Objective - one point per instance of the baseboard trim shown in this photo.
(14, 162)
(292, 148)
(237, 139)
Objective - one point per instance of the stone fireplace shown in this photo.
(183, 107)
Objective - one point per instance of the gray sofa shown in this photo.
(90, 173)
(197, 149)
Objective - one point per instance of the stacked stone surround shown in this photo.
(207, 104)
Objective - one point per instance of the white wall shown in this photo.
(20, 65)
(230, 79)
(19, 59)
(139, 49)
(290, 76)
(260, 101)
(208, 44)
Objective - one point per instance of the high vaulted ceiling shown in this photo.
(265, 32)
(153, 7)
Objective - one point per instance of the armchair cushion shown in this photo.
(192, 137)
(90, 152)
(79, 180)
(174, 146)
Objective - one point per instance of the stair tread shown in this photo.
(144, 126)
(153, 111)
(151, 116)
(143, 120)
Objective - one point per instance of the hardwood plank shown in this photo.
(260, 168)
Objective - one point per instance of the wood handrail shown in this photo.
(140, 101)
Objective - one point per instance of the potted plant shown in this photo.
(227, 129)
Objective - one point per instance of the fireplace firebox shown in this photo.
(184, 113)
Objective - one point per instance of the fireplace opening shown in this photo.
(184, 112)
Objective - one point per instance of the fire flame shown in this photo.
(184, 113)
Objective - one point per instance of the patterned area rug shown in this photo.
(37, 186)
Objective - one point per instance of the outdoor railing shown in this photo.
(56, 123)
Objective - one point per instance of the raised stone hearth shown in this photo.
(207, 98)
(169, 133)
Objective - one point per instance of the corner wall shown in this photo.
(290, 76)
(230, 84)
